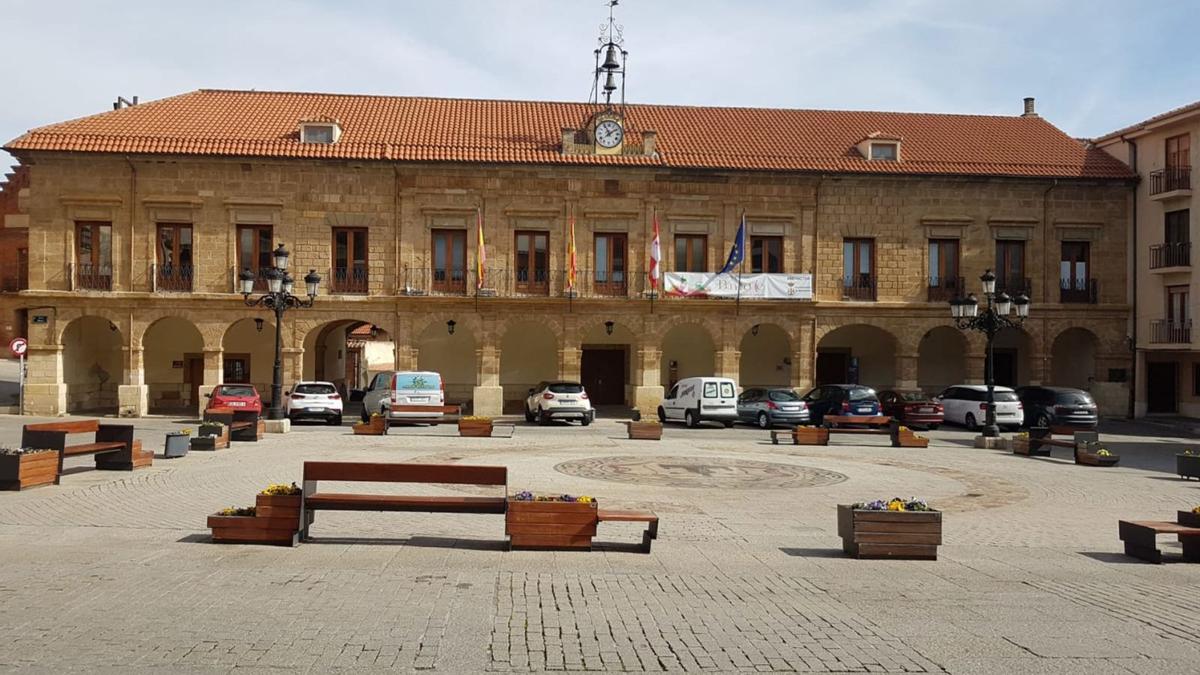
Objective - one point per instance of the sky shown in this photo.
(1093, 65)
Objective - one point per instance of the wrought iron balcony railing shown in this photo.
(945, 289)
(1170, 179)
(1171, 254)
(93, 277)
(349, 280)
(1086, 291)
(858, 287)
(1168, 331)
(1014, 286)
(176, 278)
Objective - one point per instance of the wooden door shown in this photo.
(602, 373)
(832, 367)
(1162, 387)
(1005, 372)
(193, 377)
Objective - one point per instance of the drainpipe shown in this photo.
(1133, 332)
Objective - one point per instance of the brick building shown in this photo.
(14, 249)
(141, 218)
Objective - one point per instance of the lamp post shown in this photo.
(995, 317)
(280, 299)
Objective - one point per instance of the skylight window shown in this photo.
(887, 152)
(321, 130)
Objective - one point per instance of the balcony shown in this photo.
(1014, 286)
(1171, 254)
(945, 289)
(176, 279)
(349, 281)
(858, 287)
(1170, 332)
(91, 277)
(1078, 291)
(1170, 179)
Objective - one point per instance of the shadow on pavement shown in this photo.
(814, 552)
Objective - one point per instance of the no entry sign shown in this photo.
(18, 346)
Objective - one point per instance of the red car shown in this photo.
(912, 408)
(235, 397)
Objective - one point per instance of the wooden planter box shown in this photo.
(254, 530)
(907, 439)
(909, 535)
(213, 430)
(141, 458)
(376, 426)
(550, 525)
(1187, 466)
(645, 431)
(1188, 518)
(18, 472)
(176, 445)
(211, 442)
(279, 506)
(810, 435)
(1092, 459)
(1020, 446)
(474, 428)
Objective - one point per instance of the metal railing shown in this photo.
(92, 277)
(1166, 331)
(858, 287)
(1086, 291)
(1014, 286)
(174, 278)
(945, 289)
(1170, 178)
(1171, 254)
(349, 280)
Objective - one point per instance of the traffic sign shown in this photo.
(18, 346)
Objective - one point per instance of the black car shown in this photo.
(840, 399)
(1058, 406)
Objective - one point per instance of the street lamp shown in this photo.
(279, 298)
(994, 318)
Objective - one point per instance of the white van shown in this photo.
(698, 399)
(410, 388)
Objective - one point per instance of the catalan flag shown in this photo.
(571, 254)
(481, 252)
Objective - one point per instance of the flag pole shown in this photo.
(737, 307)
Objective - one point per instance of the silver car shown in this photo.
(768, 407)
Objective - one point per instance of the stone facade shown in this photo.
(510, 337)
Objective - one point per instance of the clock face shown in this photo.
(609, 134)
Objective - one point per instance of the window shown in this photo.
(710, 390)
(691, 253)
(944, 283)
(93, 256)
(1179, 151)
(254, 252)
(858, 269)
(609, 275)
(174, 257)
(237, 368)
(1074, 272)
(450, 261)
(1177, 304)
(726, 390)
(533, 262)
(1176, 227)
(349, 260)
(884, 151)
(318, 133)
(766, 255)
(1010, 268)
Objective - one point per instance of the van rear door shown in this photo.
(422, 389)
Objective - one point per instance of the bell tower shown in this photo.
(606, 128)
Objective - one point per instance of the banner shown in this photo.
(753, 286)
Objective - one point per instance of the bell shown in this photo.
(610, 84)
(610, 59)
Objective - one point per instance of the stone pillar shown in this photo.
(214, 374)
(647, 377)
(293, 366)
(906, 371)
(1039, 368)
(406, 357)
(803, 360)
(488, 395)
(133, 396)
(976, 362)
(45, 388)
(569, 362)
(729, 363)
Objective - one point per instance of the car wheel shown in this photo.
(970, 423)
(728, 425)
(662, 415)
(764, 422)
(689, 418)
(1043, 420)
(934, 427)
(543, 418)
(529, 416)
(587, 419)
(335, 421)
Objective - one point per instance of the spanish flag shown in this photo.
(571, 254)
(481, 253)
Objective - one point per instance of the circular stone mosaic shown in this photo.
(699, 472)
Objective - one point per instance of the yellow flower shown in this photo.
(1196, 510)
(895, 505)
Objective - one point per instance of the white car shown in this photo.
(966, 405)
(558, 400)
(314, 400)
(697, 399)
(409, 389)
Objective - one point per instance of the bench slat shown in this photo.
(455, 474)
(626, 516)
(73, 427)
(92, 448)
(433, 504)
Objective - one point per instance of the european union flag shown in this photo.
(738, 252)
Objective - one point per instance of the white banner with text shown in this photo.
(752, 286)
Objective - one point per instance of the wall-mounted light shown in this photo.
(112, 326)
(450, 326)
(374, 331)
(608, 327)
(787, 360)
(258, 325)
(754, 330)
(672, 364)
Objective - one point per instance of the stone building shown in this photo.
(1160, 150)
(140, 220)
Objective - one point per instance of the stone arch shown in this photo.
(606, 360)
(857, 353)
(688, 350)
(1014, 357)
(347, 352)
(248, 354)
(454, 356)
(941, 359)
(64, 319)
(93, 364)
(766, 357)
(528, 355)
(1073, 358)
(172, 363)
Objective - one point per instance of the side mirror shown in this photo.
(208, 396)
(288, 392)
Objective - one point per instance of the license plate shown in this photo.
(317, 409)
(926, 410)
(237, 404)
(865, 410)
(418, 399)
(566, 400)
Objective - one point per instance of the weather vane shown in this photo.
(610, 40)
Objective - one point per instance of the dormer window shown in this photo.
(887, 152)
(880, 147)
(322, 130)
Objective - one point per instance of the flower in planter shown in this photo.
(584, 499)
(523, 496)
(24, 451)
(1196, 510)
(894, 504)
(1103, 453)
(903, 428)
(185, 432)
(1187, 451)
(238, 511)
(375, 414)
(281, 490)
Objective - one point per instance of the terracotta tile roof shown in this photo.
(265, 124)
(1133, 129)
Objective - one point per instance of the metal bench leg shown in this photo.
(653, 529)
(1140, 543)
(646, 540)
(1191, 548)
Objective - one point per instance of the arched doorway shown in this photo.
(93, 365)
(1012, 348)
(605, 362)
(766, 357)
(453, 356)
(347, 353)
(248, 355)
(857, 354)
(528, 355)
(941, 360)
(687, 351)
(1073, 359)
(173, 358)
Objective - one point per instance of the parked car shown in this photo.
(1058, 406)
(911, 407)
(404, 388)
(769, 406)
(235, 397)
(699, 399)
(841, 399)
(314, 400)
(966, 405)
(559, 400)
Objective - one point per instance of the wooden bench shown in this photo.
(1140, 535)
(877, 424)
(243, 425)
(1041, 439)
(316, 500)
(449, 414)
(113, 446)
(650, 519)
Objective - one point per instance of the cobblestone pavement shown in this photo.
(113, 572)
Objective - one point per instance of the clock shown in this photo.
(609, 134)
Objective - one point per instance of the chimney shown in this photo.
(568, 141)
(649, 143)
(1029, 109)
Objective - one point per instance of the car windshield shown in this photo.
(1073, 398)
(783, 395)
(912, 396)
(417, 382)
(237, 390)
(1004, 396)
(315, 389)
(566, 388)
(861, 394)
